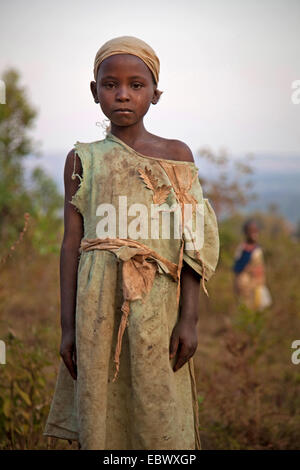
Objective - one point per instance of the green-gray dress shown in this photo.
(148, 406)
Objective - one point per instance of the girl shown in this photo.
(249, 270)
(129, 302)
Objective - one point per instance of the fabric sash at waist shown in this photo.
(139, 267)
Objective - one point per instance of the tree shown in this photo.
(17, 117)
(229, 189)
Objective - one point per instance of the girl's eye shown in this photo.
(137, 85)
(110, 85)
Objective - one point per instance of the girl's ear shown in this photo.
(156, 97)
(93, 87)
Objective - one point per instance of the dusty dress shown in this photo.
(146, 405)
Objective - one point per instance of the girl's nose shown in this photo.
(122, 94)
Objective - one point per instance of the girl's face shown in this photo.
(124, 89)
(252, 233)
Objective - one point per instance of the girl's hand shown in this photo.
(184, 341)
(68, 352)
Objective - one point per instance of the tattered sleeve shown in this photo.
(80, 198)
(200, 247)
(202, 254)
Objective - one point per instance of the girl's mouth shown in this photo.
(123, 111)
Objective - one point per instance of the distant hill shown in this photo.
(276, 180)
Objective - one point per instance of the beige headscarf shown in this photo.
(128, 45)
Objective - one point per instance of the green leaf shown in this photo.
(23, 395)
(7, 407)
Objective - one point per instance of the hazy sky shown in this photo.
(226, 68)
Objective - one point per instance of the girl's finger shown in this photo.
(174, 342)
(75, 356)
(70, 365)
(183, 357)
(75, 363)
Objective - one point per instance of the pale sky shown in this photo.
(226, 68)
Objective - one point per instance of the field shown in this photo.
(248, 388)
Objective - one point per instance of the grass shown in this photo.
(249, 390)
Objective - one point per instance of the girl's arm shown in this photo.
(69, 258)
(184, 339)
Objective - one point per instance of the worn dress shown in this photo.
(127, 395)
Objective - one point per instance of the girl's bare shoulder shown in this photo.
(173, 149)
(181, 151)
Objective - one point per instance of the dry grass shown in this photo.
(249, 390)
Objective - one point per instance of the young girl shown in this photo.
(249, 270)
(129, 303)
